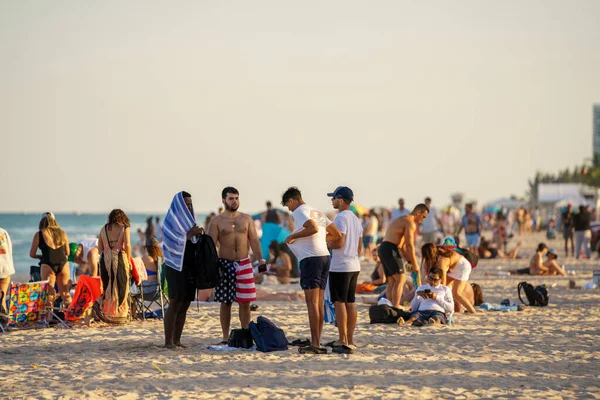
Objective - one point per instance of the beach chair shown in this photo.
(150, 294)
(27, 306)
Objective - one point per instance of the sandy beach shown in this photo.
(550, 352)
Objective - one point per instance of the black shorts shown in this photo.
(180, 285)
(314, 272)
(391, 259)
(523, 271)
(342, 286)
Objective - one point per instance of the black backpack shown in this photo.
(241, 338)
(207, 267)
(471, 257)
(537, 297)
(384, 314)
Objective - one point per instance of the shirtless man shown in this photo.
(400, 238)
(233, 233)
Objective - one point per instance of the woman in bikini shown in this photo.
(54, 245)
(456, 269)
(114, 247)
(280, 263)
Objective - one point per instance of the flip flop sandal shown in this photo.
(300, 342)
(343, 350)
(312, 350)
(332, 344)
(253, 307)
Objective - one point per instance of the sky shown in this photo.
(122, 104)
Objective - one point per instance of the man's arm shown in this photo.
(409, 248)
(446, 301)
(416, 301)
(213, 230)
(253, 239)
(308, 229)
(337, 244)
(333, 233)
(360, 246)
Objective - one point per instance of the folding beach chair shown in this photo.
(27, 307)
(150, 294)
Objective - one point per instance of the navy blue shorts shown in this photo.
(314, 272)
(367, 240)
(424, 316)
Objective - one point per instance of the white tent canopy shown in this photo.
(554, 192)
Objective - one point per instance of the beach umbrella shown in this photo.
(358, 209)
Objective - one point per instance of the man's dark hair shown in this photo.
(229, 189)
(436, 271)
(291, 193)
(269, 204)
(541, 246)
(186, 194)
(400, 199)
(427, 198)
(420, 207)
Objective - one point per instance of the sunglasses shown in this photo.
(433, 279)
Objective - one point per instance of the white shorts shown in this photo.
(461, 271)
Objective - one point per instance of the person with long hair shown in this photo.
(456, 271)
(280, 263)
(114, 247)
(152, 258)
(54, 245)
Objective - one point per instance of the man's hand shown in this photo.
(289, 240)
(432, 295)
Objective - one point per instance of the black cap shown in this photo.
(342, 192)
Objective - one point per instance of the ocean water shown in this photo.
(22, 227)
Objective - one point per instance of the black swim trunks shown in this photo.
(391, 259)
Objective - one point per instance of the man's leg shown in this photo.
(399, 280)
(169, 322)
(312, 305)
(321, 312)
(341, 318)
(578, 243)
(351, 324)
(391, 287)
(587, 238)
(225, 317)
(245, 315)
(180, 322)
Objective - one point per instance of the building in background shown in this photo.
(596, 124)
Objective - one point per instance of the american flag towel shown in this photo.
(245, 289)
(177, 223)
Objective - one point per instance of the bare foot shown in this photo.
(434, 321)
(181, 345)
(401, 322)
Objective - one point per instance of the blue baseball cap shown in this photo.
(342, 192)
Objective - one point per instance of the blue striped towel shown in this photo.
(177, 223)
(329, 307)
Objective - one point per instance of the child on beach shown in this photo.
(431, 302)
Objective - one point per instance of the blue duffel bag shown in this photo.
(267, 336)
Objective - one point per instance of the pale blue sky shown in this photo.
(121, 104)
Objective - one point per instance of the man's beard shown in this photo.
(229, 208)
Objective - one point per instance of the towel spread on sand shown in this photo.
(178, 222)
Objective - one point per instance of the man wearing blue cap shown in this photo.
(309, 244)
(345, 267)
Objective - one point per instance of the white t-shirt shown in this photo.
(396, 213)
(443, 301)
(374, 222)
(314, 245)
(87, 245)
(7, 267)
(346, 259)
(430, 223)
